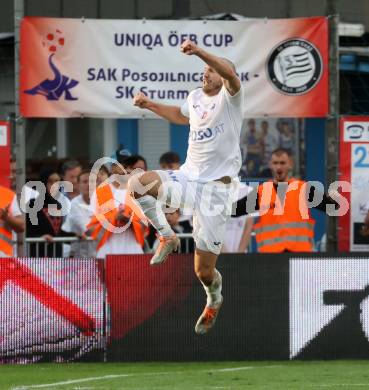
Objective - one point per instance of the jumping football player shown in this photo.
(208, 175)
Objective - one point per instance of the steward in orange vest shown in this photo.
(107, 213)
(282, 227)
(285, 224)
(8, 222)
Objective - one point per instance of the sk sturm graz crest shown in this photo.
(60, 84)
(294, 67)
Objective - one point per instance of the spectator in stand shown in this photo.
(170, 161)
(286, 136)
(70, 171)
(132, 162)
(254, 149)
(48, 226)
(78, 218)
(365, 228)
(29, 193)
(112, 204)
(11, 221)
(238, 230)
(269, 144)
(238, 234)
(102, 175)
(243, 246)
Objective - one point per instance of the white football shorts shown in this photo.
(209, 203)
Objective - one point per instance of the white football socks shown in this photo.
(214, 291)
(153, 211)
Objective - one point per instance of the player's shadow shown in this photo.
(343, 337)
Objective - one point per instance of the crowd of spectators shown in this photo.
(68, 209)
(106, 220)
(258, 143)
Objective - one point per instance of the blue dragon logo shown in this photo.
(55, 88)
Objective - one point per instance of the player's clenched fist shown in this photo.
(141, 100)
(189, 47)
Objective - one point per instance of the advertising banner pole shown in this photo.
(332, 124)
(19, 123)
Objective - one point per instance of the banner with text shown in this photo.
(93, 68)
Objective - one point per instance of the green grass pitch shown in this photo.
(324, 375)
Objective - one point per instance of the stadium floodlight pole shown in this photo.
(19, 122)
(332, 123)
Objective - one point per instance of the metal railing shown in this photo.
(39, 246)
(42, 246)
(186, 237)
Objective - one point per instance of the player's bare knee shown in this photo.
(206, 276)
(204, 273)
(146, 183)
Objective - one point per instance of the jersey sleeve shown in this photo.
(185, 110)
(237, 99)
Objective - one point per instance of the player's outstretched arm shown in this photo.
(171, 113)
(220, 65)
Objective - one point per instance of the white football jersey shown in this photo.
(214, 139)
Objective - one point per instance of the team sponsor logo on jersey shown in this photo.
(207, 133)
(294, 67)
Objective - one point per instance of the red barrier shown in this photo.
(137, 290)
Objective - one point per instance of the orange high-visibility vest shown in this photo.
(288, 231)
(6, 241)
(107, 210)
